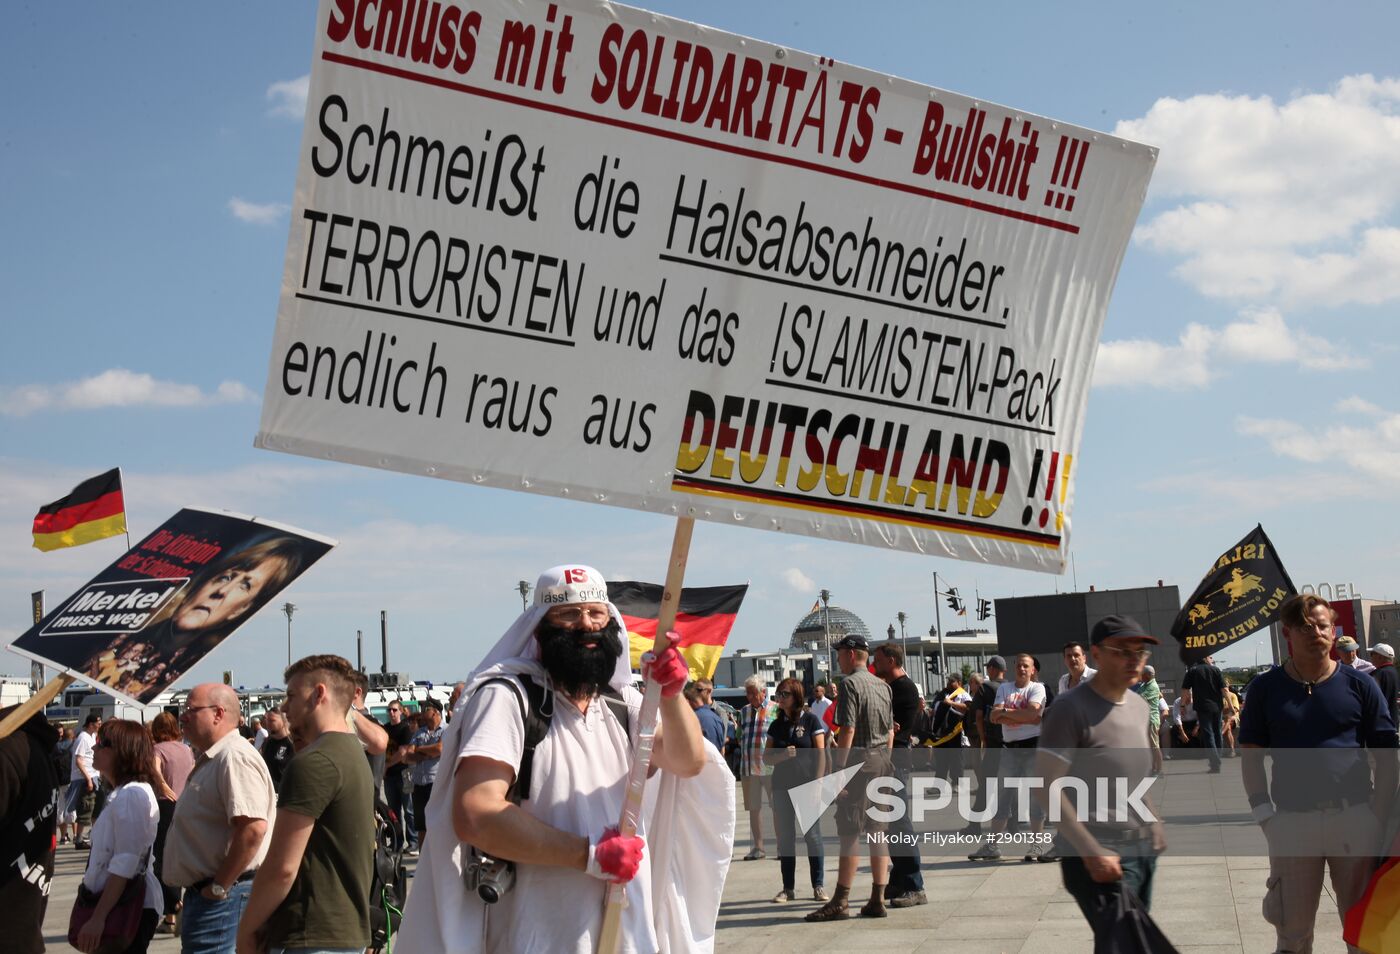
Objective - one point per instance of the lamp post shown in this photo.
(904, 637)
(826, 628)
(289, 609)
(524, 589)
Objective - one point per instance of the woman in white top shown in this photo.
(125, 833)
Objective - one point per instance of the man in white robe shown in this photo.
(561, 835)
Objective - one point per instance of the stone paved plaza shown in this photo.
(1207, 898)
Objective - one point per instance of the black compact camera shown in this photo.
(489, 877)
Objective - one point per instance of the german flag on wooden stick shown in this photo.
(704, 619)
(93, 511)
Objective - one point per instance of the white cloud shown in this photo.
(1357, 405)
(1260, 335)
(1368, 449)
(798, 580)
(254, 213)
(117, 387)
(1290, 202)
(288, 97)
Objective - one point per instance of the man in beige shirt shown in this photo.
(218, 836)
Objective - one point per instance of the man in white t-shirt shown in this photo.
(83, 780)
(1078, 669)
(820, 703)
(1017, 709)
(554, 821)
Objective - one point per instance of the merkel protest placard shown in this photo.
(591, 252)
(169, 601)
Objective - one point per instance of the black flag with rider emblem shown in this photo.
(1242, 592)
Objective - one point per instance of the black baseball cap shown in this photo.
(853, 641)
(430, 704)
(1119, 626)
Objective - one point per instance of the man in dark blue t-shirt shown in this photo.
(1320, 721)
(711, 723)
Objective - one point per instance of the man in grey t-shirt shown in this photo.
(1100, 731)
(866, 715)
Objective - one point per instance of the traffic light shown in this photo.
(984, 608)
(955, 604)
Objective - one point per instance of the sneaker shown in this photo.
(1036, 852)
(819, 894)
(784, 896)
(908, 899)
(988, 852)
(83, 845)
(411, 851)
(1049, 854)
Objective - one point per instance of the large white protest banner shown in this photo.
(582, 250)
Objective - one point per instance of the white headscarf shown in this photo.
(518, 652)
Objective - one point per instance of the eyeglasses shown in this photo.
(192, 709)
(784, 693)
(573, 615)
(1141, 655)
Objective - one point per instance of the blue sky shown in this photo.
(1247, 372)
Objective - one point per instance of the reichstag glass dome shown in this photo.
(812, 629)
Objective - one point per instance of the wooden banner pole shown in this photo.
(35, 704)
(611, 933)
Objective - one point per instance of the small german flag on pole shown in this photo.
(93, 511)
(704, 618)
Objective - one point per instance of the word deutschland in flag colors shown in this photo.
(704, 618)
(1242, 592)
(94, 510)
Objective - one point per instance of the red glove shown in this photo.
(615, 857)
(669, 669)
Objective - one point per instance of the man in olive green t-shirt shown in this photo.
(312, 892)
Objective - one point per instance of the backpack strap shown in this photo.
(621, 711)
(537, 709)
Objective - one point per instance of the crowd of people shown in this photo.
(1005, 724)
(262, 836)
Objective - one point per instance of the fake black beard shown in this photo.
(575, 669)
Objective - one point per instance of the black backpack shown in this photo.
(388, 887)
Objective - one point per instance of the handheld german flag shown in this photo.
(93, 511)
(704, 618)
(1373, 923)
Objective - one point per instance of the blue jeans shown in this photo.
(785, 823)
(904, 874)
(1092, 895)
(1209, 721)
(315, 950)
(211, 927)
